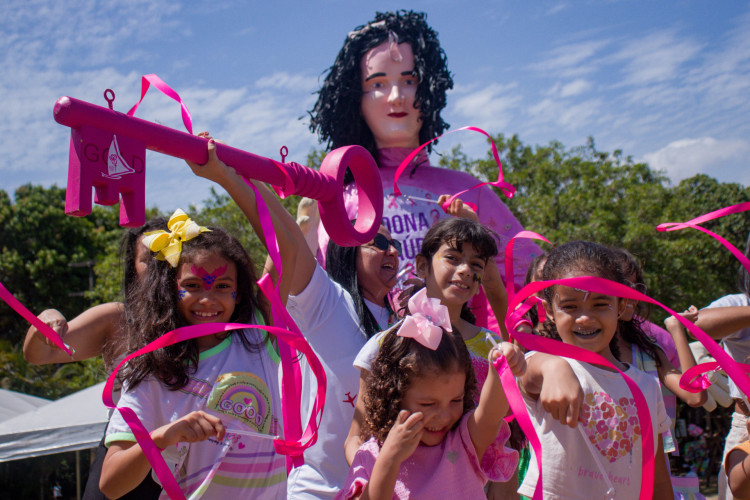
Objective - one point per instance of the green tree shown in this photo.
(38, 243)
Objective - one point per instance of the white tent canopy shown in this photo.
(14, 403)
(75, 422)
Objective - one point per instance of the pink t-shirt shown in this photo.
(448, 470)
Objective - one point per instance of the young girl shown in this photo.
(206, 400)
(562, 394)
(455, 258)
(427, 442)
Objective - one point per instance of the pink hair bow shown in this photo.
(427, 317)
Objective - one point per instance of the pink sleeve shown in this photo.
(665, 341)
(359, 472)
(499, 462)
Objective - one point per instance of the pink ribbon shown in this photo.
(43, 327)
(427, 317)
(735, 370)
(505, 187)
(165, 89)
(733, 209)
(510, 287)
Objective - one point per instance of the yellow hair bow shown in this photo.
(169, 245)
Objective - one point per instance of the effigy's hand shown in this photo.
(458, 208)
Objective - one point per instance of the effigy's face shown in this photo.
(389, 87)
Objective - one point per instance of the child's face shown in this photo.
(453, 276)
(207, 289)
(440, 398)
(587, 320)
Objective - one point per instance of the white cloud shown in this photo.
(571, 59)
(490, 107)
(656, 57)
(574, 88)
(686, 157)
(567, 114)
(284, 80)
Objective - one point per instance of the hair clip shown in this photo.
(427, 317)
(169, 245)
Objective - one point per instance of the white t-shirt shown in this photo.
(326, 316)
(736, 344)
(609, 418)
(240, 387)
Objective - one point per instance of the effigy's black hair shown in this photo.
(336, 116)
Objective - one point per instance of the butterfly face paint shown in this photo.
(208, 278)
(206, 289)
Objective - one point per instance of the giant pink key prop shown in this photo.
(107, 153)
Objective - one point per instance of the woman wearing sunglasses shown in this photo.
(337, 310)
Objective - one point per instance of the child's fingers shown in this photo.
(414, 421)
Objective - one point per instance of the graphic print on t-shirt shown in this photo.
(243, 396)
(612, 427)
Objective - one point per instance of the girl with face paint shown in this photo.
(592, 441)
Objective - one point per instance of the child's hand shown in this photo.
(214, 169)
(193, 427)
(458, 208)
(561, 393)
(404, 436)
(691, 314)
(513, 356)
(55, 320)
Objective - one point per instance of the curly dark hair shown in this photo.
(588, 258)
(632, 331)
(151, 311)
(458, 231)
(342, 268)
(399, 360)
(336, 117)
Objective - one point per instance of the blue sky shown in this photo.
(666, 82)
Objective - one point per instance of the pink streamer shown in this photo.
(165, 89)
(506, 188)
(43, 327)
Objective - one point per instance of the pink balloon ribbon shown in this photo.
(43, 327)
(510, 287)
(505, 187)
(165, 89)
(722, 212)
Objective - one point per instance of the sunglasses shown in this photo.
(638, 287)
(382, 243)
